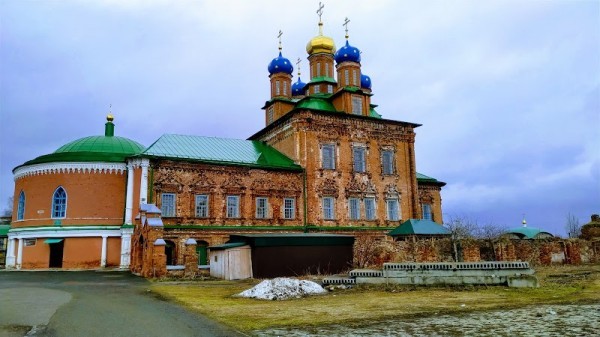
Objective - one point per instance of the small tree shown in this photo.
(9, 208)
(490, 232)
(460, 228)
(572, 226)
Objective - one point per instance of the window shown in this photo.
(285, 88)
(328, 211)
(270, 114)
(328, 156)
(387, 162)
(392, 209)
(427, 212)
(317, 89)
(357, 105)
(330, 89)
(354, 208)
(21, 206)
(326, 69)
(59, 203)
(289, 208)
(202, 206)
(318, 69)
(370, 208)
(233, 206)
(358, 153)
(346, 77)
(167, 206)
(354, 78)
(29, 242)
(277, 88)
(262, 208)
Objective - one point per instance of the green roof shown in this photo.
(107, 148)
(421, 178)
(316, 103)
(4, 230)
(527, 232)
(419, 227)
(221, 151)
(319, 79)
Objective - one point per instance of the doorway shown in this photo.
(56, 254)
(202, 251)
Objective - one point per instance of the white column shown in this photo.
(144, 181)
(129, 200)
(126, 247)
(19, 253)
(10, 254)
(103, 253)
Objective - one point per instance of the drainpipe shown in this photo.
(305, 208)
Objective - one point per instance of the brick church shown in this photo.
(326, 161)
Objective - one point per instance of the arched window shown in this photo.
(59, 203)
(21, 206)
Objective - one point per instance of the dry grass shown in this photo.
(366, 304)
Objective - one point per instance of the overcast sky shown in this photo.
(508, 92)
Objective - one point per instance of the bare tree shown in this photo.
(572, 226)
(461, 228)
(9, 208)
(490, 232)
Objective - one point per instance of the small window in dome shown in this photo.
(330, 89)
(270, 114)
(317, 89)
(354, 78)
(357, 108)
(318, 69)
(346, 77)
(327, 70)
(277, 88)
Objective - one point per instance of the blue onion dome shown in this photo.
(280, 65)
(298, 88)
(347, 53)
(365, 82)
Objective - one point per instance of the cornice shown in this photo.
(52, 168)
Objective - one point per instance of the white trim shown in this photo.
(62, 167)
(50, 232)
(103, 252)
(129, 197)
(144, 180)
(126, 247)
(10, 254)
(19, 253)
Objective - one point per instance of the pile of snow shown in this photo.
(283, 288)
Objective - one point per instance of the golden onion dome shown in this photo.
(320, 43)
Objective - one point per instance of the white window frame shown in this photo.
(202, 208)
(328, 206)
(285, 88)
(289, 208)
(354, 208)
(359, 159)
(346, 77)
(392, 209)
(354, 78)
(233, 206)
(357, 105)
(317, 88)
(262, 208)
(370, 212)
(328, 156)
(277, 88)
(167, 205)
(62, 212)
(387, 168)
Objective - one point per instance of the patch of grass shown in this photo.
(370, 303)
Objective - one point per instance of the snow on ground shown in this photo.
(282, 289)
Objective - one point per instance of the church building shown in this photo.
(325, 162)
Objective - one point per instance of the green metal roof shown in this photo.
(527, 232)
(222, 151)
(421, 178)
(316, 103)
(4, 230)
(227, 245)
(419, 227)
(373, 113)
(320, 79)
(107, 148)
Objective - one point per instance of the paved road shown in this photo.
(71, 304)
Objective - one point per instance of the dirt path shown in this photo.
(91, 304)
